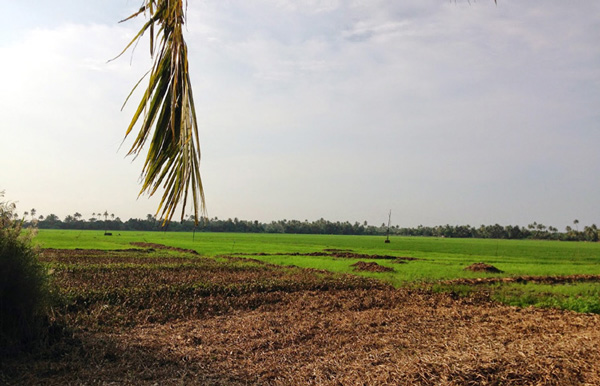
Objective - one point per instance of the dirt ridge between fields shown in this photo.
(561, 279)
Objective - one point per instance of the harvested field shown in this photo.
(161, 246)
(234, 322)
(104, 257)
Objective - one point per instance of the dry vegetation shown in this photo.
(482, 267)
(170, 318)
(338, 253)
(528, 279)
(370, 267)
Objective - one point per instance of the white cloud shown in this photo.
(62, 121)
(446, 113)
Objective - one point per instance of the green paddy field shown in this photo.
(546, 273)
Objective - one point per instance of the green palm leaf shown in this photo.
(167, 115)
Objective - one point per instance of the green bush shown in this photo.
(24, 290)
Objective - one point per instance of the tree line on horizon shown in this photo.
(109, 223)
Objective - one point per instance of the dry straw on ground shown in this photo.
(298, 331)
(482, 267)
(370, 267)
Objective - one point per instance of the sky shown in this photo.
(444, 112)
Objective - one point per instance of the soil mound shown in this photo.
(482, 267)
(370, 267)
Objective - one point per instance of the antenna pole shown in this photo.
(387, 240)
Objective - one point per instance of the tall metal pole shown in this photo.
(387, 240)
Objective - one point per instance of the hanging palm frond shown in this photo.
(167, 113)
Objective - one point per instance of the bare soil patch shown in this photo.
(336, 253)
(482, 267)
(161, 246)
(101, 256)
(528, 279)
(370, 267)
(244, 323)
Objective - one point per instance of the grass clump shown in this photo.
(24, 287)
(579, 297)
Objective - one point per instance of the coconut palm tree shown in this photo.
(167, 114)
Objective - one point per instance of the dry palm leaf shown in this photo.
(167, 113)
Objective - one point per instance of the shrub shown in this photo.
(24, 290)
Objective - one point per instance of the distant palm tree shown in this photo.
(169, 116)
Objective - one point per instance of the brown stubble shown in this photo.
(257, 324)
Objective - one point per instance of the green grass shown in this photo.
(580, 297)
(439, 258)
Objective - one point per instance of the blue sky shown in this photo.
(442, 111)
